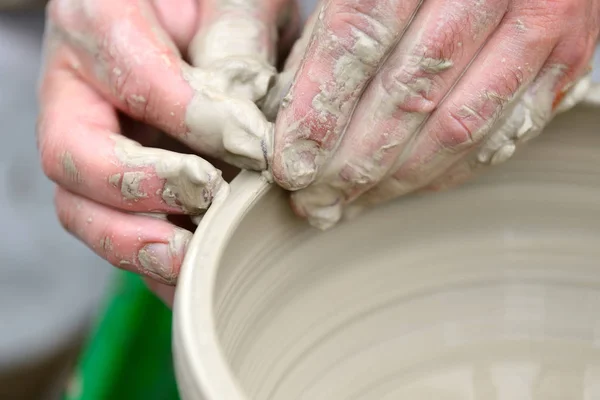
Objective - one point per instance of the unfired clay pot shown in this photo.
(488, 292)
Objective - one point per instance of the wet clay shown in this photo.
(324, 202)
(190, 183)
(233, 71)
(487, 292)
(221, 119)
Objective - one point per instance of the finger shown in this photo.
(562, 83)
(179, 18)
(164, 292)
(237, 43)
(348, 43)
(576, 52)
(120, 48)
(82, 151)
(275, 97)
(494, 83)
(555, 90)
(244, 29)
(148, 246)
(523, 121)
(433, 54)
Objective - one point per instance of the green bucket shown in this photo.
(128, 355)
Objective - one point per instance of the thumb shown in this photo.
(235, 52)
(243, 29)
(239, 40)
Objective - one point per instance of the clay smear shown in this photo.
(529, 113)
(233, 71)
(189, 182)
(221, 121)
(175, 249)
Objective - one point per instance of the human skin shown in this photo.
(110, 59)
(394, 97)
(116, 70)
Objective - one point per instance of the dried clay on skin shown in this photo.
(162, 269)
(70, 168)
(531, 111)
(228, 76)
(190, 183)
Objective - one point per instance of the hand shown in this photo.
(384, 105)
(114, 71)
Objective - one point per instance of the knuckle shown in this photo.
(362, 15)
(540, 31)
(365, 173)
(105, 248)
(134, 96)
(48, 159)
(381, 20)
(538, 16)
(563, 8)
(122, 83)
(575, 53)
(408, 91)
(502, 90)
(365, 49)
(442, 43)
(501, 87)
(359, 31)
(461, 127)
(64, 213)
(455, 133)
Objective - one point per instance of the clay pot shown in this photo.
(491, 291)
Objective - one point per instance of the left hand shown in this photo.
(117, 70)
(384, 105)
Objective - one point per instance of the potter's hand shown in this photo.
(111, 62)
(382, 106)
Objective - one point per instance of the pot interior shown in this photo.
(490, 292)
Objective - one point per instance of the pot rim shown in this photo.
(193, 305)
(201, 368)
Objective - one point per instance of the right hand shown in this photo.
(398, 97)
(114, 70)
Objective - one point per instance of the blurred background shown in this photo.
(72, 326)
(67, 318)
(50, 285)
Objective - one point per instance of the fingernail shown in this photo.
(300, 164)
(161, 260)
(155, 258)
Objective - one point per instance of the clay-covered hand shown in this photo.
(394, 97)
(113, 66)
